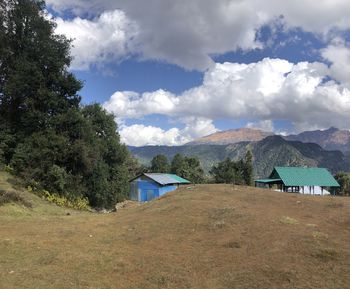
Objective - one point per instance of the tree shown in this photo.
(179, 165)
(231, 172)
(344, 182)
(45, 134)
(34, 81)
(159, 164)
(193, 170)
(188, 168)
(224, 172)
(248, 173)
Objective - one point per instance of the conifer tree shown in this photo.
(46, 135)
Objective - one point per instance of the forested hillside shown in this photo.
(267, 153)
(46, 136)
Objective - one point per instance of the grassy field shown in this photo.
(211, 236)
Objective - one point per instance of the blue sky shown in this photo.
(172, 71)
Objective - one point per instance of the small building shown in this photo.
(149, 186)
(314, 181)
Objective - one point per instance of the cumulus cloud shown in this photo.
(272, 89)
(131, 104)
(264, 125)
(101, 40)
(141, 135)
(338, 54)
(186, 34)
(189, 32)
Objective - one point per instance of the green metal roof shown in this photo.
(163, 179)
(267, 181)
(300, 176)
(178, 179)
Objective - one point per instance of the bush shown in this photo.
(344, 182)
(77, 203)
(7, 197)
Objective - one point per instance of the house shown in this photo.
(149, 186)
(314, 181)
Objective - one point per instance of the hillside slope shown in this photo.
(211, 237)
(267, 153)
(23, 203)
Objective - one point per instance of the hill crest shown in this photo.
(232, 136)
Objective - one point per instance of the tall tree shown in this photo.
(179, 165)
(34, 81)
(344, 182)
(223, 172)
(188, 167)
(159, 164)
(248, 173)
(45, 134)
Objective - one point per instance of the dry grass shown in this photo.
(210, 237)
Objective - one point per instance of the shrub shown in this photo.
(7, 197)
(76, 203)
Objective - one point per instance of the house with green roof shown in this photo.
(149, 186)
(314, 181)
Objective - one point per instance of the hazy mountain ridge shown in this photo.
(330, 139)
(267, 153)
(232, 136)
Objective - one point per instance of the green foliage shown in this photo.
(248, 174)
(77, 203)
(344, 182)
(45, 135)
(231, 172)
(179, 166)
(159, 164)
(188, 168)
(135, 168)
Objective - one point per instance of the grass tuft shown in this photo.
(326, 254)
(288, 220)
(7, 197)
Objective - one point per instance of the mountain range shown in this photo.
(312, 149)
(232, 136)
(330, 139)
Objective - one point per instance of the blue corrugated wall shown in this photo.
(166, 189)
(150, 190)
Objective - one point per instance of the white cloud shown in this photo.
(102, 40)
(313, 16)
(188, 33)
(131, 104)
(185, 34)
(272, 89)
(141, 135)
(338, 54)
(264, 125)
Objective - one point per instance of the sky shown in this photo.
(174, 70)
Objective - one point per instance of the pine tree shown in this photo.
(159, 164)
(45, 134)
(248, 172)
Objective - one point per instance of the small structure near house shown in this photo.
(149, 186)
(314, 181)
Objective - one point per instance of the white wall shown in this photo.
(315, 190)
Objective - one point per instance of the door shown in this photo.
(150, 195)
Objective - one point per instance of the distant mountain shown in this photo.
(330, 139)
(267, 153)
(232, 136)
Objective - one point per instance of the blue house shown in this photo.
(149, 186)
